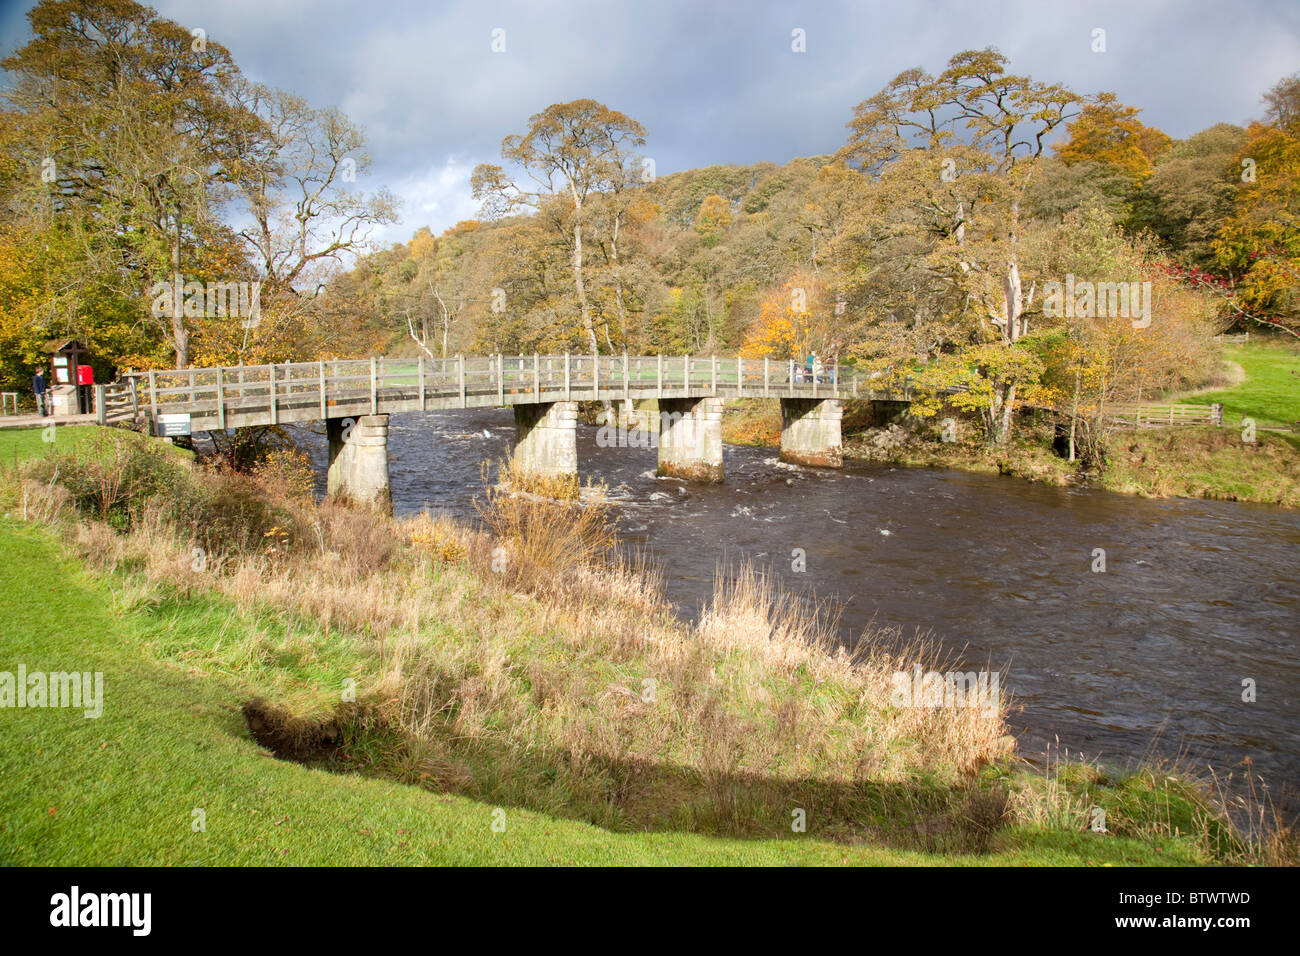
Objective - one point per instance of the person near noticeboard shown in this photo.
(41, 391)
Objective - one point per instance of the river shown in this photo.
(1148, 656)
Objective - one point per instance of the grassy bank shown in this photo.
(510, 670)
(1270, 389)
(1191, 462)
(1205, 463)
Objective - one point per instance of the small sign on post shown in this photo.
(173, 425)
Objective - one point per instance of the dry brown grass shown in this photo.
(539, 541)
(1231, 819)
(600, 704)
(562, 681)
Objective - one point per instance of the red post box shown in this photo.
(85, 375)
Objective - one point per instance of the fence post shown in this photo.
(320, 377)
(460, 375)
(595, 376)
(537, 379)
(686, 371)
(568, 384)
(713, 376)
(765, 370)
(101, 412)
(627, 381)
(1217, 411)
(275, 416)
(153, 400)
(740, 376)
(791, 376)
(659, 377)
(221, 398)
(135, 399)
(374, 386)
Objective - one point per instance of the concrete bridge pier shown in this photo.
(546, 442)
(358, 470)
(690, 438)
(810, 432)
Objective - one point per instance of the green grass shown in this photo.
(177, 665)
(1270, 393)
(121, 789)
(1205, 462)
(22, 444)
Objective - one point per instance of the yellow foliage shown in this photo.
(1109, 133)
(785, 325)
(437, 539)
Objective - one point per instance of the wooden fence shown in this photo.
(1166, 415)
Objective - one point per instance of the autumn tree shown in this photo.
(1190, 194)
(1259, 245)
(789, 322)
(141, 139)
(983, 129)
(713, 219)
(1110, 133)
(123, 112)
(1094, 358)
(293, 178)
(579, 151)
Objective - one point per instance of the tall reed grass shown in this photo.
(529, 661)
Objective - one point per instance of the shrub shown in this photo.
(437, 538)
(229, 512)
(552, 536)
(287, 472)
(112, 475)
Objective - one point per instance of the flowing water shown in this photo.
(1149, 656)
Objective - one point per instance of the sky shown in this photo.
(713, 81)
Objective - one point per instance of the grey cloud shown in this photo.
(716, 82)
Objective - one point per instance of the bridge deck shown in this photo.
(229, 397)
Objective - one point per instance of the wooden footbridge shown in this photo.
(237, 396)
(355, 398)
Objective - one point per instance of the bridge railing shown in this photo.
(116, 402)
(266, 390)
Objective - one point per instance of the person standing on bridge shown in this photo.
(41, 393)
(816, 368)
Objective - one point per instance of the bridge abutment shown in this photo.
(810, 432)
(358, 469)
(546, 442)
(690, 438)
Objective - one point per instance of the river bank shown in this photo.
(1190, 462)
(484, 681)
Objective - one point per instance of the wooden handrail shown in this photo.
(297, 391)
